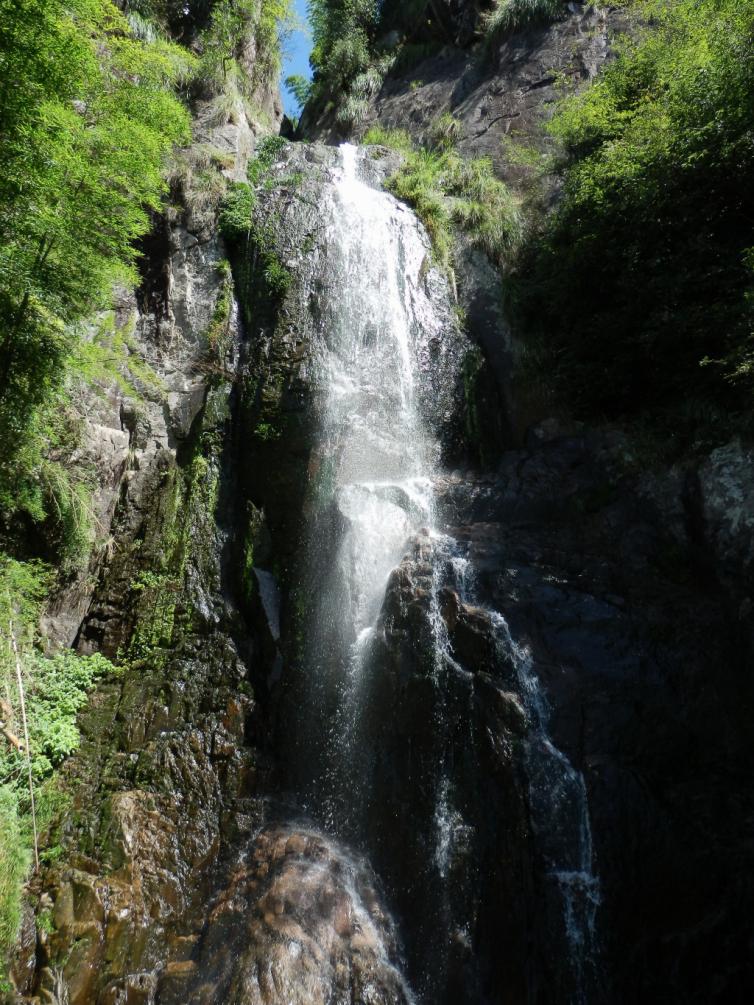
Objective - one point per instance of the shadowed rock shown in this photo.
(299, 923)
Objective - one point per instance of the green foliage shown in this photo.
(60, 689)
(56, 688)
(420, 183)
(341, 32)
(266, 431)
(236, 211)
(393, 139)
(241, 44)
(181, 17)
(15, 858)
(23, 590)
(638, 296)
(300, 87)
(347, 70)
(54, 691)
(353, 50)
(510, 15)
(276, 276)
(87, 119)
(39, 479)
(276, 20)
(444, 189)
(483, 206)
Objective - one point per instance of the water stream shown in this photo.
(377, 458)
(384, 377)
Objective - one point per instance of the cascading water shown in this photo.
(376, 455)
(560, 816)
(385, 366)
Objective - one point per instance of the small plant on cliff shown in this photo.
(219, 330)
(444, 189)
(510, 15)
(265, 156)
(444, 131)
(236, 211)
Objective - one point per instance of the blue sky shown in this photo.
(296, 57)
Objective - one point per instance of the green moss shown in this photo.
(183, 536)
(255, 549)
(473, 362)
(265, 431)
(158, 595)
(218, 332)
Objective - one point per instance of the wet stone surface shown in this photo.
(299, 922)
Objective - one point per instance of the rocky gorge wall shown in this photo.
(185, 874)
(134, 842)
(618, 583)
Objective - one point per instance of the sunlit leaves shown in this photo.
(87, 119)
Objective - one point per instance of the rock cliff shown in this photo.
(593, 621)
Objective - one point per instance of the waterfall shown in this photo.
(376, 456)
(385, 363)
(560, 817)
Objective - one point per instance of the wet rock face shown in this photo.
(443, 740)
(726, 490)
(638, 633)
(298, 922)
(131, 445)
(493, 91)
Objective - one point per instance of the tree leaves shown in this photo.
(87, 120)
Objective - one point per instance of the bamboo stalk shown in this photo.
(22, 700)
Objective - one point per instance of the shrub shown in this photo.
(299, 87)
(236, 210)
(637, 294)
(510, 15)
(87, 127)
(444, 131)
(52, 691)
(443, 189)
